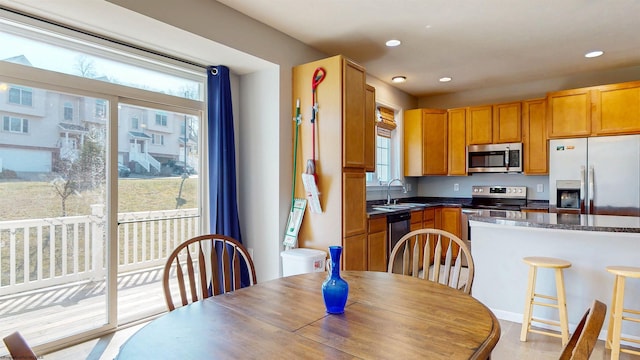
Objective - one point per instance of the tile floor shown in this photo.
(537, 347)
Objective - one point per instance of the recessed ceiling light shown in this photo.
(393, 42)
(445, 79)
(399, 79)
(593, 54)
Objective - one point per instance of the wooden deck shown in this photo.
(46, 314)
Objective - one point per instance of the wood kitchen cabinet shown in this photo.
(534, 137)
(353, 127)
(507, 123)
(416, 220)
(479, 125)
(425, 142)
(340, 157)
(569, 113)
(354, 252)
(448, 219)
(494, 124)
(429, 218)
(616, 109)
(377, 243)
(457, 141)
(370, 129)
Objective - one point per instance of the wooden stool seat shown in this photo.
(547, 262)
(559, 301)
(626, 271)
(617, 313)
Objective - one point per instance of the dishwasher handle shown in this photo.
(392, 218)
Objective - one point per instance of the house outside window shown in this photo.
(15, 125)
(21, 96)
(157, 139)
(135, 123)
(68, 111)
(101, 108)
(161, 119)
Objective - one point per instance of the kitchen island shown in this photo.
(590, 242)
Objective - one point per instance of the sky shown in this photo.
(59, 59)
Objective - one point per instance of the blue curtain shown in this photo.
(222, 159)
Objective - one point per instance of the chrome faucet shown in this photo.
(404, 189)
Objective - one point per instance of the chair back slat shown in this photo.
(236, 270)
(426, 257)
(180, 275)
(226, 267)
(215, 272)
(437, 255)
(447, 266)
(191, 276)
(218, 272)
(202, 270)
(415, 261)
(434, 255)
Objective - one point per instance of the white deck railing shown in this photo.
(60, 250)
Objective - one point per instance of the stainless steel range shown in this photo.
(500, 201)
(498, 197)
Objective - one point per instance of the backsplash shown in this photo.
(444, 185)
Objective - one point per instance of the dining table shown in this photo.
(387, 316)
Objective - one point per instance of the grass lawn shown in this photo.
(35, 199)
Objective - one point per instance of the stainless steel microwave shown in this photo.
(494, 158)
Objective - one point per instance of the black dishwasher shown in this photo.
(398, 225)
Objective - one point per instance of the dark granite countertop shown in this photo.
(606, 223)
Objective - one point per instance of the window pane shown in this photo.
(158, 198)
(80, 58)
(52, 228)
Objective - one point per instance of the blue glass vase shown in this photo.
(334, 289)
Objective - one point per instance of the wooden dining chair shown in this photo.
(434, 255)
(196, 272)
(585, 336)
(18, 347)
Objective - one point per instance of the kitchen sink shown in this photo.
(395, 207)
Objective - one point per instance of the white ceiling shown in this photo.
(477, 43)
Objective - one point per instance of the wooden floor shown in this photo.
(41, 315)
(537, 347)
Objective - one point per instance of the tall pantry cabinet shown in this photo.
(341, 155)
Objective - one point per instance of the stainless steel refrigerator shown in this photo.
(597, 175)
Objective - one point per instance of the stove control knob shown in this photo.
(508, 190)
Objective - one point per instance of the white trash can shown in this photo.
(302, 261)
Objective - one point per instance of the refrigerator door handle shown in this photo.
(591, 189)
(582, 179)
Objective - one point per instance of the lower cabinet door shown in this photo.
(355, 252)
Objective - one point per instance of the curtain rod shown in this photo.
(102, 37)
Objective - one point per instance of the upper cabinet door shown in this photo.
(434, 135)
(569, 113)
(353, 122)
(370, 129)
(457, 145)
(534, 137)
(616, 109)
(507, 123)
(479, 125)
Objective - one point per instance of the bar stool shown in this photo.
(560, 300)
(616, 315)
